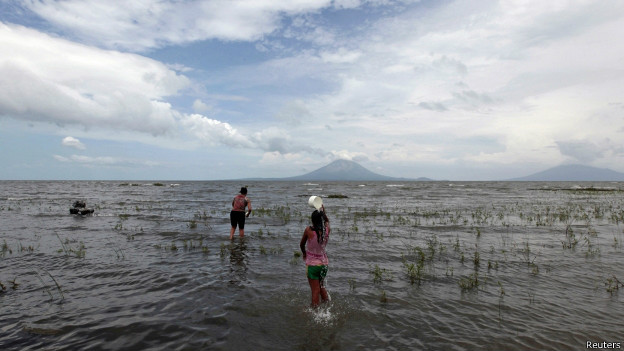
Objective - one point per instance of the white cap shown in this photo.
(316, 202)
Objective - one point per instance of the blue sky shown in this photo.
(202, 90)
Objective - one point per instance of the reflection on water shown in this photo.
(413, 265)
(238, 259)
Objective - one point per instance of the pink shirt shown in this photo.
(315, 252)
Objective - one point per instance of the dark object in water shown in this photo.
(80, 207)
(82, 211)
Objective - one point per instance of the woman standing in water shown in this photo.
(238, 215)
(315, 237)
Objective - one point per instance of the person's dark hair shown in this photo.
(243, 190)
(317, 225)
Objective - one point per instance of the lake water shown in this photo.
(413, 265)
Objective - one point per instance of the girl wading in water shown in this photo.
(312, 246)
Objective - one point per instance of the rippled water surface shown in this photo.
(420, 266)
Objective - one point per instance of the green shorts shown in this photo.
(316, 272)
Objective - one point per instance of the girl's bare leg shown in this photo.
(315, 287)
(324, 295)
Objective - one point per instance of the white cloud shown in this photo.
(342, 55)
(480, 69)
(138, 26)
(273, 139)
(349, 155)
(590, 152)
(293, 112)
(51, 80)
(201, 107)
(179, 67)
(47, 79)
(61, 158)
(73, 142)
(224, 97)
(213, 132)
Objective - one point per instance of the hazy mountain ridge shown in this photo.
(577, 173)
(344, 170)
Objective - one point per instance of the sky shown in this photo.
(227, 89)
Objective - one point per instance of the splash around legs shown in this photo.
(319, 293)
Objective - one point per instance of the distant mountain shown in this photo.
(344, 170)
(576, 173)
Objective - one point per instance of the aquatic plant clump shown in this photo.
(469, 283)
(613, 285)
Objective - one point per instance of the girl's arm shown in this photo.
(302, 243)
(325, 218)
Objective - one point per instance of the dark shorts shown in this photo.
(237, 218)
